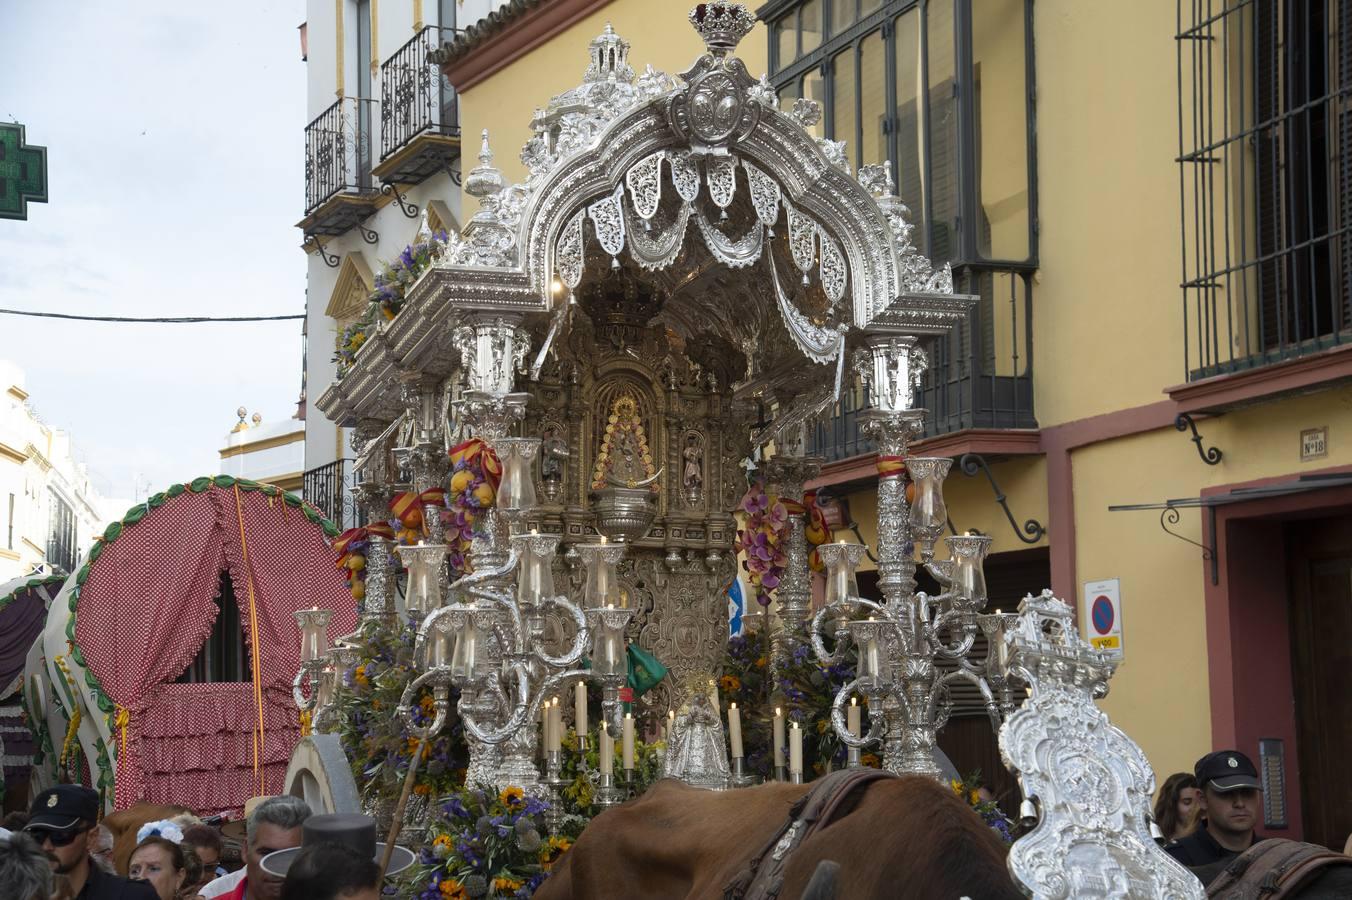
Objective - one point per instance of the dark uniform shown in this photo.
(63, 809)
(1200, 848)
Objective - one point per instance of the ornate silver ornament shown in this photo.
(644, 180)
(684, 174)
(1092, 783)
(722, 177)
(608, 219)
(716, 110)
(806, 111)
(764, 195)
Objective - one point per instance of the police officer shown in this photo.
(1229, 808)
(62, 821)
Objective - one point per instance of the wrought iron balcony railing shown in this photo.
(338, 153)
(416, 100)
(980, 375)
(329, 488)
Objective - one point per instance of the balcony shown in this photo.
(980, 375)
(329, 488)
(339, 188)
(419, 112)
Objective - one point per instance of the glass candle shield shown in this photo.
(603, 586)
(968, 554)
(422, 591)
(607, 649)
(536, 579)
(438, 649)
(465, 653)
(516, 491)
(840, 559)
(929, 514)
(314, 636)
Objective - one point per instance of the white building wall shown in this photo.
(38, 464)
(266, 452)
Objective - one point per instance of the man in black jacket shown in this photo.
(61, 821)
(1230, 806)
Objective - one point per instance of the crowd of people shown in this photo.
(60, 851)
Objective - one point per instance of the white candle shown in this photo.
(779, 736)
(671, 724)
(580, 711)
(795, 750)
(607, 751)
(628, 741)
(735, 729)
(852, 719)
(555, 726)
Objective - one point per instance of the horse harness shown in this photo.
(825, 803)
(1272, 870)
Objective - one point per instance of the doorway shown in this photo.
(1319, 571)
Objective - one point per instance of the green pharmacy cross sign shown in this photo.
(23, 172)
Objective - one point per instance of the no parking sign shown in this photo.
(1101, 613)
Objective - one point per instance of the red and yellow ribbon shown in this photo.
(259, 741)
(475, 449)
(891, 466)
(344, 541)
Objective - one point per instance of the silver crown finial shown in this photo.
(722, 25)
(484, 179)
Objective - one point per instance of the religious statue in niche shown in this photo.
(692, 476)
(624, 483)
(553, 452)
(624, 459)
(696, 753)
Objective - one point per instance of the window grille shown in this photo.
(1265, 180)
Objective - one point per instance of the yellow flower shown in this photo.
(442, 840)
(730, 683)
(453, 890)
(974, 798)
(359, 676)
(510, 885)
(760, 663)
(428, 704)
(422, 789)
(512, 797)
(956, 786)
(871, 760)
(821, 726)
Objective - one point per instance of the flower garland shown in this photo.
(763, 540)
(351, 548)
(971, 791)
(374, 737)
(475, 473)
(395, 278)
(388, 293)
(487, 843)
(805, 690)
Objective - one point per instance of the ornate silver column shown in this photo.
(785, 477)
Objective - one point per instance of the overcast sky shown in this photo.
(174, 148)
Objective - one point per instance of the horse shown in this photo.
(126, 822)
(905, 836)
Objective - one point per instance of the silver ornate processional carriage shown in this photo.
(683, 256)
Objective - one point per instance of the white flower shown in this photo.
(163, 828)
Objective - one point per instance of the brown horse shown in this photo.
(126, 822)
(906, 837)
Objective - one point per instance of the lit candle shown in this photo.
(607, 751)
(852, 719)
(628, 741)
(872, 659)
(555, 726)
(795, 750)
(580, 711)
(779, 736)
(671, 723)
(735, 729)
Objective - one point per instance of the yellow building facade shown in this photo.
(1038, 143)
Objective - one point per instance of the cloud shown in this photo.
(176, 175)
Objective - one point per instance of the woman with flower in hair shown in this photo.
(164, 865)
